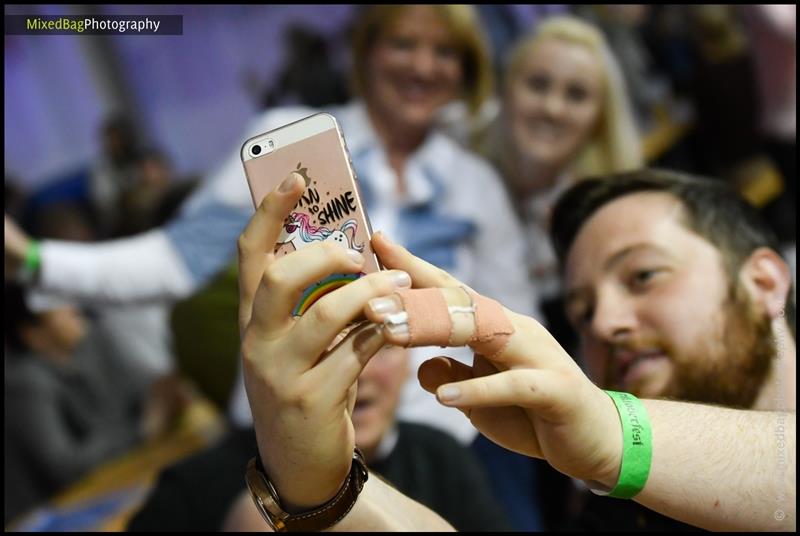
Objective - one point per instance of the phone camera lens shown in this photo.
(255, 149)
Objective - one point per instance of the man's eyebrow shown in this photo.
(580, 292)
(619, 256)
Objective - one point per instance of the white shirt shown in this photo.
(542, 260)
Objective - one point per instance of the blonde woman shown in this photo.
(564, 115)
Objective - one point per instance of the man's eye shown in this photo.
(585, 318)
(642, 277)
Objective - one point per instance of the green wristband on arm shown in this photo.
(637, 447)
(30, 265)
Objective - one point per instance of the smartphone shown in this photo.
(331, 208)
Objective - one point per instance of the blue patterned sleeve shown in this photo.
(205, 239)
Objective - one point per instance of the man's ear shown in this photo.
(767, 277)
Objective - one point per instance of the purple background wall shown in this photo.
(186, 92)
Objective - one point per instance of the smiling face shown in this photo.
(413, 69)
(554, 101)
(379, 388)
(655, 310)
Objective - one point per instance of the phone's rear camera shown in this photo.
(255, 149)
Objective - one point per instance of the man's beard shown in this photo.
(730, 367)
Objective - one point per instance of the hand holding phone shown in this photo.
(331, 207)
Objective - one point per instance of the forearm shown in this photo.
(142, 268)
(382, 508)
(722, 469)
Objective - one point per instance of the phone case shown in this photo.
(331, 208)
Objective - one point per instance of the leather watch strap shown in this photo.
(319, 518)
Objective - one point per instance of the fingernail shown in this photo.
(398, 331)
(366, 341)
(355, 256)
(449, 393)
(401, 279)
(288, 183)
(383, 306)
(385, 238)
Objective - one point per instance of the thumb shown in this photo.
(441, 370)
(423, 274)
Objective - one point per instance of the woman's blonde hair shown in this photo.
(461, 20)
(614, 145)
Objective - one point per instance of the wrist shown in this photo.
(275, 511)
(609, 473)
(636, 453)
(300, 493)
(298, 500)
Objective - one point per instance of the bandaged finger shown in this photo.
(453, 316)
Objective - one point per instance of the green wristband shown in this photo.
(27, 270)
(637, 445)
(32, 257)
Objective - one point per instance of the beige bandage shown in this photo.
(430, 321)
(493, 329)
(427, 316)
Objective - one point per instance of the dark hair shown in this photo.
(154, 153)
(127, 140)
(17, 316)
(121, 124)
(711, 209)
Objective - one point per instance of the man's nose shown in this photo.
(614, 317)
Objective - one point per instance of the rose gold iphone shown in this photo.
(331, 208)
